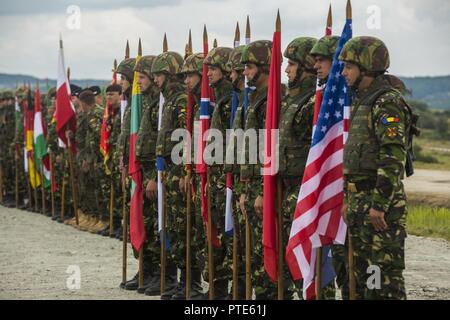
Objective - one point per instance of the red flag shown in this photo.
(270, 189)
(65, 111)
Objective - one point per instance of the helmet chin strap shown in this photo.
(298, 75)
(236, 82)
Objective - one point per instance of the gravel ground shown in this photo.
(35, 254)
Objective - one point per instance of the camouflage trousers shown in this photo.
(382, 251)
(176, 222)
(8, 173)
(340, 265)
(91, 186)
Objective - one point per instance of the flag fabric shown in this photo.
(105, 135)
(137, 229)
(270, 167)
(35, 179)
(317, 218)
(206, 109)
(65, 111)
(40, 145)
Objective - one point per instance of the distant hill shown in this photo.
(435, 91)
(9, 81)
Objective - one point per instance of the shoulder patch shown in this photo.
(388, 120)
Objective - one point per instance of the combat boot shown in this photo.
(148, 277)
(154, 288)
(171, 283)
(132, 284)
(180, 290)
(220, 290)
(196, 287)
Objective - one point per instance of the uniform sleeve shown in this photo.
(389, 125)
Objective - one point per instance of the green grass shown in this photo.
(429, 222)
(429, 158)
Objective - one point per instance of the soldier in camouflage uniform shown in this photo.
(111, 164)
(121, 153)
(54, 150)
(323, 53)
(295, 131)
(90, 161)
(217, 60)
(236, 69)
(257, 58)
(166, 69)
(7, 124)
(145, 153)
(374, 165)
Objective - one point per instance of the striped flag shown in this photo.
(317, 218)
(137, 230)
(35, 178)
(40, 146)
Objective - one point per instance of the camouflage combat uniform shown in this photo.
(374, 165)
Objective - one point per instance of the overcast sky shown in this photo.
(415, 31)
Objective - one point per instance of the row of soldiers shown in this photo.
(374, 162)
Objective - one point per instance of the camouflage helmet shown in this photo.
(193, 63)
(21, 92)
(326, 47)
(258, 52)
(168, 62)
(369, 53)
(126, 68)
(144, 65)
(234, 63)
(8, 94)
(52, 92)
(299, 50)
(218, 57)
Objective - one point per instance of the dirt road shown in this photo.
(36, 254)
(430, 187)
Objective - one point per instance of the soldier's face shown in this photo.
(291, 70)
(322, 66)
(113, 98)
(124, 83)
(160, 78)
(192, 79)
(250, 70)
(214, 74)
(351, 73)
(99, 99)
(143, 81)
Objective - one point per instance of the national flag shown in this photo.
(40, 145)
(65, 111)
(317, 218)
(137, 229)
(206, 109)
(270, 213)
(34, 176)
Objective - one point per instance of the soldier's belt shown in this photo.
(360, 186)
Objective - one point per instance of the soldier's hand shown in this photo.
(344, 210)
(259, 204)
(85, 166)
(151, 191)
(377, 219)
(242, 205)
(182, 185)
(69, 134)
(58, 159)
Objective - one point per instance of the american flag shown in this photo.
(317, 218)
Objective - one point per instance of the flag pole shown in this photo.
(141, 251)
(279, 210)
(163, 210)
(124, 206)
(248, 265)
(111, 180)
(208, 191)
(16, 156)
(41, 169)
(63, 188)
(189, 51)
(237, 39)
(352, 280)
(72, 179)
(52, 181)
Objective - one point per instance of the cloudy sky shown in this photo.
(415, 31)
